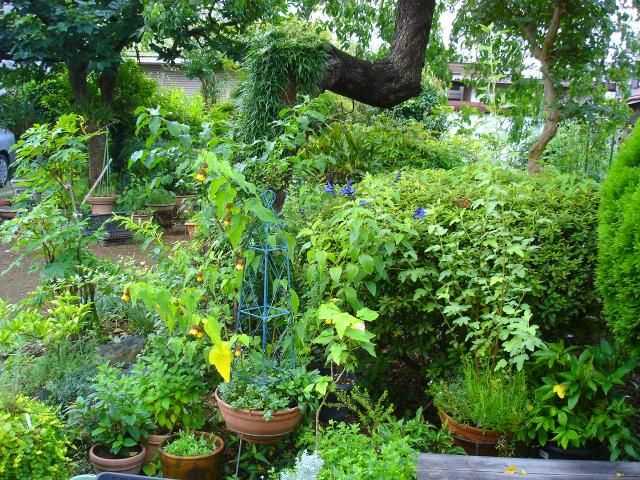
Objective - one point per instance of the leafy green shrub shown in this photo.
(32, 441)
(389, 452)
(619, 250)
(382, 146)
(579, 401)
(485, 399)
(469, 259)
(188, 444)
(160, 196)
(113, 413)
(426, 107)
(171, 384)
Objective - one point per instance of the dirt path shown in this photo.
(19, 282)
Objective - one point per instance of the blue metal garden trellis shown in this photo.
(264, 306)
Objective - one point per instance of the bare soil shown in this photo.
(16, 284)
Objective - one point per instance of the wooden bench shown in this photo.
(433, 466)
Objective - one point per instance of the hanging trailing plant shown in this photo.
(283, 61)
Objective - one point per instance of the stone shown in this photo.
(123, 349)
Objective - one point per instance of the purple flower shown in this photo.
(419, 214)
(363, 203)
(348, 190)
(329, 188)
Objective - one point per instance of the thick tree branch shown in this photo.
(554, 26)
(396, 79)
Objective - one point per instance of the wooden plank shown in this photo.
(461, 465)
(466, 475)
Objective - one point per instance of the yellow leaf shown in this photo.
(560, 389)
(220, 357)
(511, 470)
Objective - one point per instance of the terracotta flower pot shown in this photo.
(161, 208)
(5, 202)
(152, 446)
(140, 218)
(131, 465)
(251, 425)
(474, 441)
(191, 229)
(193, 468)
(102, 205)
(8, 213)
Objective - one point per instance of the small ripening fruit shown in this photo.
(240, 264)
(205, 165)
(125, 296)
(199, 277)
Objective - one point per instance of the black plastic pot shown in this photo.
(337, 414)
(556, 452)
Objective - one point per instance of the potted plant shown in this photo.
(580, 406)
(171, 384)
(161, 200)
(192, 456)
(134, 202)
(265, 413)
(482, 408)
(116, 422)
(102, 201)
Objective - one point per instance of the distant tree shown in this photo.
(88, 37)
(578, 44)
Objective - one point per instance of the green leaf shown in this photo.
(335, 273)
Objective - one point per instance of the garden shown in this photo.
(335, 269)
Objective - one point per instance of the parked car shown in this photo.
(7, 139)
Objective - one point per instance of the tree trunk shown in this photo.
(78, 81)
(96, 144)
(553, 116)
(396, 79)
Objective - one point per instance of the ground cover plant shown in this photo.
(368, 271)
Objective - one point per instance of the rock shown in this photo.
(123, 349)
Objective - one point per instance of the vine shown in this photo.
(283, 61)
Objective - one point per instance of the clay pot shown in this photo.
(152, 446)
(8, 213)
(5, 202)
(161, 208)
(474, 441)
(131, 465)
(102, 205)
(191, 229)
(251, 425)
(140, 218)
(193, 468)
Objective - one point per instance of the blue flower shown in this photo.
(348, 190)
(419, 214)
(363, 203)
(329, 188)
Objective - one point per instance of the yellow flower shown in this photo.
(201, 176)
(199, 277)
(195, 331)
(511, 470)
(240, 265)
(560, 389)
(327, 321)
(125, 296)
